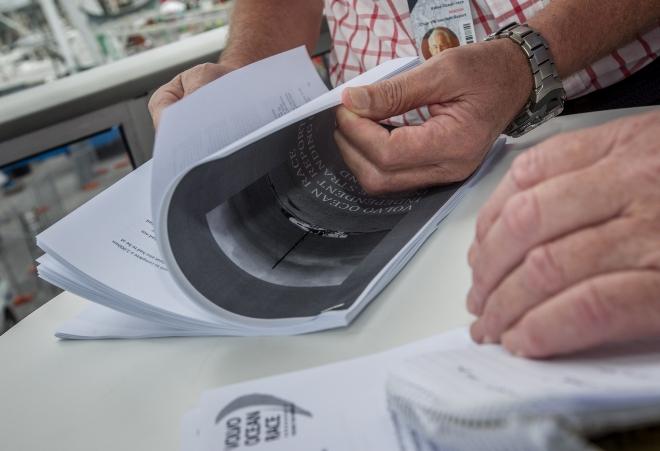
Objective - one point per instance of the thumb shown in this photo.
(164, 96)
(159, 101)
(391, 97)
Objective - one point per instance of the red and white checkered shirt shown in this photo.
(368, 32)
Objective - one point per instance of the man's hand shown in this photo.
(184, 84)
(567, 250)
(473, 92)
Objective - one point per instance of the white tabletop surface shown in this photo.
(131, 394)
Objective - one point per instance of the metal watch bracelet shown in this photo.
(548, 95)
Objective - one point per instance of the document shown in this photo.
(246, 221)
(440, 393)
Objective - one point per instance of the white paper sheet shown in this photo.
(115, 246)
(339, 407)
(114, 257)
(344, 406)
(229, 108)
(501, 382)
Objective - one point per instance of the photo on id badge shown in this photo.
(436, 40)
(440, 25)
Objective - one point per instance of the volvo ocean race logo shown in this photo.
(259, 419)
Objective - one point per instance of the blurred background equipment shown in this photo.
(42, 40)
(86, 127)
(36, 192)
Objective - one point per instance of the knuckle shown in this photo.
(520, 215)
(649, 172)
(152, 102)
(627, 129)
(387, 158)
(591, 309)
(391, 96)
(209, 70)
(492, 319)
(651, 258)
(191, 74)
(526, 168)
(478, 278)
(482, 226)
(373, 182)
(541, 270)
(203, 67)
(534, 338)
(454, 60)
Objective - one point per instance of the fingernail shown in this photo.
(472, 255)
(511, 341)
(488, 340)
(359, 98)
(475, 332)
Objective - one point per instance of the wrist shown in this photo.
(517, 81)
(548, 95)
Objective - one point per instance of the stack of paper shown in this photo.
(246, 222)
(440, 393)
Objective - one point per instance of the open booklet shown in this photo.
(246, 221)
(441, 393)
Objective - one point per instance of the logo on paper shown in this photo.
(259, 419)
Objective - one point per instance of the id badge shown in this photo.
(441, 24)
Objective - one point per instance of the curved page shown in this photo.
(275, 227)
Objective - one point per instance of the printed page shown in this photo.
(348, 405)
(229, 108)
(330, 99)
(207, 270)
(338, 407)
(111, 241)
(487, 380)
(464, 398)
(208, 142)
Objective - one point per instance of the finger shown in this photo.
(376, 181)
(558, 155)
(553, 267)
(201, 75)
(164, 96)
(371, 138)
(426, 84)
(612, 308)
(440, 140)
(551, 209)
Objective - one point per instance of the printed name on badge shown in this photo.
(441, 24)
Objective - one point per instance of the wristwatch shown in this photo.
(548, 95)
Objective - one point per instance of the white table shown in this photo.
(131, 395)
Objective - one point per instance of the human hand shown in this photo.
(184, 84)
(567, 249)
(473, 93)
